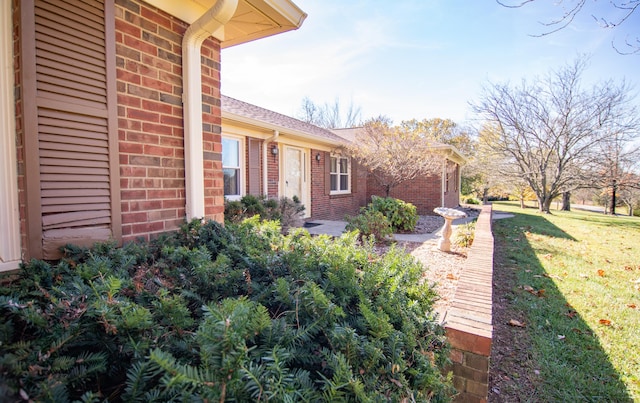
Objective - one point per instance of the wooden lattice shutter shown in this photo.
(74, 131)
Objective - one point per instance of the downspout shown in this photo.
(265, 152)
(444, 181)
(205, 26)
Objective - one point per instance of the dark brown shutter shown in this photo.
(327, 173)
(73, 133)
(253, 175)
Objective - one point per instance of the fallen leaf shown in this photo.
(528, 288)
(571, 314)
(632, 306)
(607, 260)
(561, 337)
(601, 273)
(605, 322)
(548, 256)
(516, 323)
(628, 268)
(451, 277)
(540, 293)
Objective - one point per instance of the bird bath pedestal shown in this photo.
(449, 215)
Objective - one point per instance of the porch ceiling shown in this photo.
(253, 19)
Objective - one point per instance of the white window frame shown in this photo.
(240, 167)
(337, 173)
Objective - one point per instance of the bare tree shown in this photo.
(620, 12)
(549, 129)
(395, 154)
(617, 166)
(485, 169)
(630, 195)
(330, 116)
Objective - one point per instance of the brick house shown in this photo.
(114, 128)
(267, 153)
(111, 118)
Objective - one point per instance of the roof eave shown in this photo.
(254, 19)
(284, 130)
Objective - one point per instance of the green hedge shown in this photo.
(210, 313)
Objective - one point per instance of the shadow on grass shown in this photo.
(555, 356)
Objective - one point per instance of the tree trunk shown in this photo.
(566, 201)
(387, 190)
(613, 197)
(545, 205)
(522, 206)
(485, 195)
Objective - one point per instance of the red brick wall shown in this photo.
(468, 321)
(150, 125)
(425, 192)
(327, 207)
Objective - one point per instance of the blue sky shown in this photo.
(418, 58)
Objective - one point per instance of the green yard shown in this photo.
(577, 297)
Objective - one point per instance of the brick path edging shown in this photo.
(468, 320)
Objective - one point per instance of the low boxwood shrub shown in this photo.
(212, 313)
(370, 223)
(403, 216)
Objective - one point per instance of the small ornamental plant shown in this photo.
(213, 313)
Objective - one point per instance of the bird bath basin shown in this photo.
(449, 215)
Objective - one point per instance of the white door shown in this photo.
(9, 214)
(295, 174)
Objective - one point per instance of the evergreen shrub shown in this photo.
(212, 313)
(288, 211)
(370, 223)
(403, 216)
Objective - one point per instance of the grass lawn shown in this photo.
(578, 299)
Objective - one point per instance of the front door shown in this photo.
(295, 173)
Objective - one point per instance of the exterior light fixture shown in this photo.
(274, 150)
(318, 157)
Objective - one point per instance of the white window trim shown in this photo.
(242, 167)
(348, 190)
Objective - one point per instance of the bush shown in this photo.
(236, 313)
(471, 200)
(464, 234)
(288, 211)
(370, 223)
(403, 216)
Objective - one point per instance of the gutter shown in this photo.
(210, 23)
(265, 152)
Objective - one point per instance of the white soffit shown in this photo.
(253, 19)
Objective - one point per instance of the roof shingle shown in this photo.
(259, 114)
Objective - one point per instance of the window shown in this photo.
(340, 175)
(231, 167)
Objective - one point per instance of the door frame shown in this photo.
(305, 198)
(9, 209)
